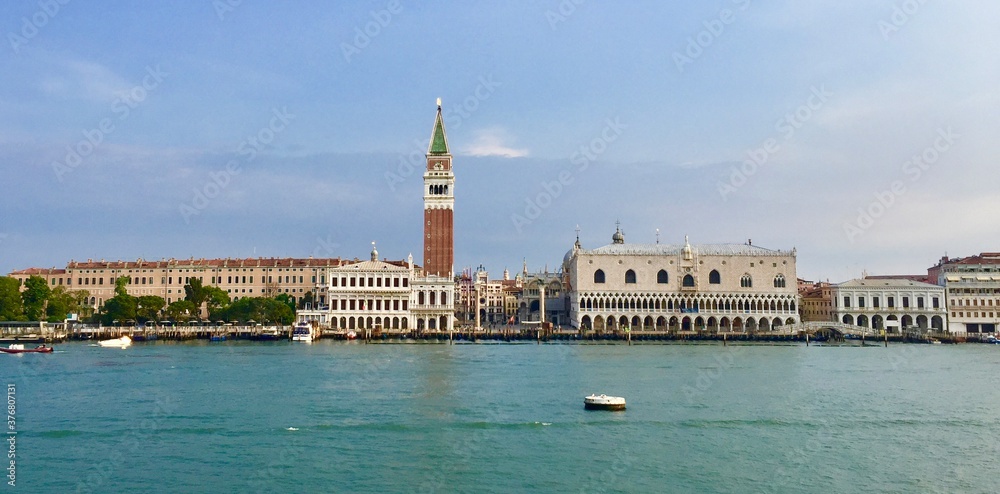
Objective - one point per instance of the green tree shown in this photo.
(306, 300)
(195, 292)
(286, 299)
(120, 285)
(122, 307)
(181, 310)
(82, 300)
(149, 308)
(62, 302)
(217, 300)
(36, 293)
(11, 305)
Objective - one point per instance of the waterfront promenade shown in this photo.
(806, 333)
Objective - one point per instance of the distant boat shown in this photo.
(269, 333)
(302, 332)
(122, 342)
(351, 335)
(19, 348)
(217, 337)
(604, 402)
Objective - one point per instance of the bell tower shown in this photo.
(439, 204)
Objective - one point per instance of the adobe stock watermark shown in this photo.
(914, 169)
(713, 30)
(786, 127)
(363, 36)
(582, 158)
(225, 7)
(453, 117)
(325, 247)
(562, 12)
(901, 14)
(31, 26)
(122, 107)
(247, 152)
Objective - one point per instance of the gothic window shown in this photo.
(779, 281)
(688, 280)
(662, 277)
(714, 278)
(599, 276)
(746, 281)
(630, 276)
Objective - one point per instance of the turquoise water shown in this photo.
(349, 417)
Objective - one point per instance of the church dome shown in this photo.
(618, 237)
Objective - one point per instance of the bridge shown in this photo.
(815, 327)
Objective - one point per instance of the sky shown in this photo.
(862, 134)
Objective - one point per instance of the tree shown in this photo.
(149, 308)
(62, 302)
(287, 300)
(181, 310)
(82, 300)
(36, 293)
(122, 307)
(306, 300)
(195, 292)
(11, 305)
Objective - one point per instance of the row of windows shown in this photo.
(972, 314)
(714, 278)
(371, 281)
(144, 280)
(974, 302)
(891, 302)
(371, 304)
(685, 305)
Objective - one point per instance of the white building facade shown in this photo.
(382, 296)
(893, 304)
(659, 287)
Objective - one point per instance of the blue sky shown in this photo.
(860, 133)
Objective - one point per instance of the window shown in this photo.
(662, 277)
(875, 302)
(861, 301)
(847, 301)
(688, 280)
(746, 281)
(892, 302)
(599, 276)
(920, 302)
(630, 277)
(714, 278)
(906, 302)
(779, 281)
(936, 303)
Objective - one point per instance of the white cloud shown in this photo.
(85, 80)
(493, 142)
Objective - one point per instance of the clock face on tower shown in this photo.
(437, 166)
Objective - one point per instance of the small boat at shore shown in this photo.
(19, 348)
(122, 342)
(302, 332)
(604, 402)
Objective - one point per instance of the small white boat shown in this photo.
(122, 342)
(302, 332)
(604, 402)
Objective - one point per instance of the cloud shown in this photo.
(492, 142)
(85, 80)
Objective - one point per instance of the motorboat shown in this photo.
(269, 333)
(122, 342)
(351, 335)
(19, 348)
(302, 332)
(604, 402)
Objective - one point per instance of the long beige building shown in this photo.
(251, 277)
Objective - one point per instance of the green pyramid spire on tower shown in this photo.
(439, 140)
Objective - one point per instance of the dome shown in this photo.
(618, 237)
(567, 258)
